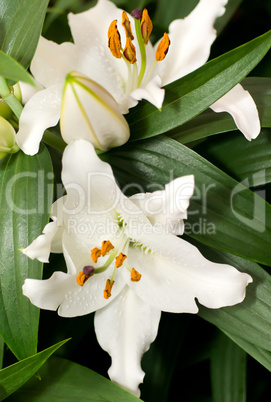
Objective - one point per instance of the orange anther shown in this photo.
(81, 278)
(114, 43)
(135, 276)
(129, 51)
(119, 259)
(127, 26)
(108, 288)
(162, 48)
(95, 254)
(106, 247)
(146, 26)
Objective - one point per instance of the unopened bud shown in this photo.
(7, 138)
(89, 112)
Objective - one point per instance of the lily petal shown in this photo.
(152, 92)
(52, 62)
(241, 106)
(89, 182)
(40, 112)
(190, 41)
(125, 329)
(51, 238)
(89, 30)
(168, 207)
(175, 273)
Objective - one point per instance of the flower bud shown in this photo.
(89, 112)
(5, 110)
(7, 138)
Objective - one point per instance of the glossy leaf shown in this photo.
(11, 69)
(13, 377)
(228, 371)
(195, 92)
(25, 200)
(248, 162)
(223, 213)
(63, 380)
(210, 123)
(20, 27)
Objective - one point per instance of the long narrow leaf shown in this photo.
(25, 198)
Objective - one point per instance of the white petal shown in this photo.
(89, 112)
(48, 294)
(52, 62)
(152, 92)
(51, 238)
(90, 32)
(40, 112)
(167, 208)
(125, 329)
(174, 273)
(40, 248)
(28, 90)
(89, 182)
(191, 39)
(241, 106)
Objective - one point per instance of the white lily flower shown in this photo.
(124, 261)
(133, 70)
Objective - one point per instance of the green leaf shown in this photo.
(249, 163)
(25, 200)
(11, 69)
(20, 27)
(2, 346)
(13, 377)
(210, 123)
(63, 381)
(228, 371)
(223, 213)
(195, 92)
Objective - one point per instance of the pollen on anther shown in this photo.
(108, 288)
(114, 43)
(95, 254)
(106, 247)
(127, 26)
(162, 48)
(146, 26)
(135, 276)
(129, 51)
(119, 259)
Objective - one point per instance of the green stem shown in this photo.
(10, 98)
(53, 141)
(142, 51)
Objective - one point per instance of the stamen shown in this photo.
(162, 48)
(84, 275)
(114, 43)
(146, 26)
(135, 276)
(137, 14)
(106, 247)
(95, 254)
(127, 26)
(108, 288)
(129, 51)
(119, 259)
